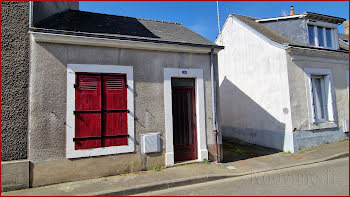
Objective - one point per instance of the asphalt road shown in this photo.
(326, 178)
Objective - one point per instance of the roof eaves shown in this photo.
(320, 16)
(316, 48)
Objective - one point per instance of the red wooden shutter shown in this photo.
(88, 107)
(115, 98)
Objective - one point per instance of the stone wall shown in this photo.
(14, 175)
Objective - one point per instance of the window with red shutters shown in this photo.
(100, 110)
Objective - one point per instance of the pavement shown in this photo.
(328, 178)
(187, 174)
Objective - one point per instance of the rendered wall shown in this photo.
(254, 92)
(14, 79)
(48, 106)
(293, 29)
(337, 62)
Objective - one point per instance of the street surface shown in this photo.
(326, 178)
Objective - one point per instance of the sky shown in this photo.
(201, 16)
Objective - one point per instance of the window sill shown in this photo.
(323, 125)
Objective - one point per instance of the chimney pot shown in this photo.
(291, 10)
(346, 27)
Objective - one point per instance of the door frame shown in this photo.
(197, 74)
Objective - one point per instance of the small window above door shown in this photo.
(182, 82)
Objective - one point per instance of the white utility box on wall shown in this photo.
(346, 126)
(150, 143)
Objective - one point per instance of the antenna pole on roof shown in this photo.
(217, 11)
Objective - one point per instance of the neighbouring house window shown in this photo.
(100, 110)
(319, 98)
(321, 95)
(329, 38)
(312, 36)
(321, 36)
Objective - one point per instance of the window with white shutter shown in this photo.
(321, 95)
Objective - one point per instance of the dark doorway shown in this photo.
(184, 119)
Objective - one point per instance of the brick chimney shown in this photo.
(346, 27)
(291, 10)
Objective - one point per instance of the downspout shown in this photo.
(214, 104)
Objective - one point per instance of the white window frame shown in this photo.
(324, 81)
(323, 25)
(70, 118)
(346, 122)
(347, 82)
(329, 97)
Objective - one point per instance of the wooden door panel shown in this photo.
(184, 130)
(114, 91)
(88, 93)
(116, 122)
(87, 125)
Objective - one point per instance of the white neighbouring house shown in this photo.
(283, 81)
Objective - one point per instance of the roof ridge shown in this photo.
(145, 19)
(250, 17)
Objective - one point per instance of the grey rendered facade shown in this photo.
(51, 50)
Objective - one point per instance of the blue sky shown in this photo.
(201, 16)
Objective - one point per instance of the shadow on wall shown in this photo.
(244, 119)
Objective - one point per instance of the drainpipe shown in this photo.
(214, 104)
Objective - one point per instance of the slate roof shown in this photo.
(343, 41)
(251, 22)
(121, 27)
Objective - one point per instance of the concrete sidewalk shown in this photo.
(180, 175)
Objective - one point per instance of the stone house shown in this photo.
(284, 81)
(94, 95)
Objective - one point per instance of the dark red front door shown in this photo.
(184, 119)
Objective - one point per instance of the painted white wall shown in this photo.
(254, 92)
